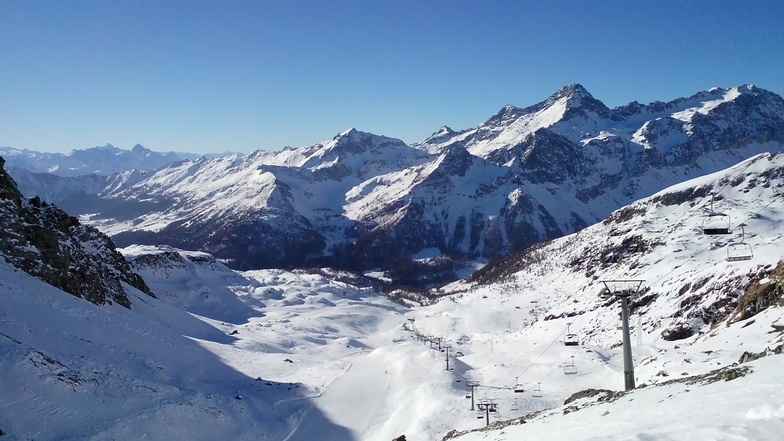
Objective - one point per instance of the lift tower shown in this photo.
(625, 289)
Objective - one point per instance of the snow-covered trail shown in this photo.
(351, 402)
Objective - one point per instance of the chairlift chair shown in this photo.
(518, 387)
(740, 250)
(570, 368)
(480, 415)
(715, 223)
(537, 392)
(571, 338)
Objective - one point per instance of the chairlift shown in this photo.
(571, 338)
(740, 250)
(468, 396)
(715, 223)
(537, 392)
(480, 415)
(518, 387)
(570, 368)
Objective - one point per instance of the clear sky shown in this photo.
(226, 75)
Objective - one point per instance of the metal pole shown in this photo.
(487, 415)
(472, 385)
(628, 363)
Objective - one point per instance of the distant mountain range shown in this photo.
(422, 212)
(102, 160)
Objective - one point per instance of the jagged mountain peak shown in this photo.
(575, 96)
(444, 130)
(348, 133)
(138, 148)
(354, 149)
(572, 90)
(108, 146)
(434, 143)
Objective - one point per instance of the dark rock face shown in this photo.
(47, 243)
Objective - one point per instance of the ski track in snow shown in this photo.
(352, 401)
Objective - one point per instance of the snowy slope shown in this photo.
(74, 370)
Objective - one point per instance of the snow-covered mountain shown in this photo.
(101, 160)
(362, 201)
(322, 354)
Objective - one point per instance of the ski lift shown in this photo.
(537, 392)
(571, 339)
(570, 368)
(518, 387)
(468, 396)
(740, 250)
(715, 223)
(480, 415)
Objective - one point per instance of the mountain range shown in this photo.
(426, 212)
(103, 160)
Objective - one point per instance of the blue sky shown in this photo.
(214, 76)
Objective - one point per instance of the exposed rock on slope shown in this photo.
(47, 243)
